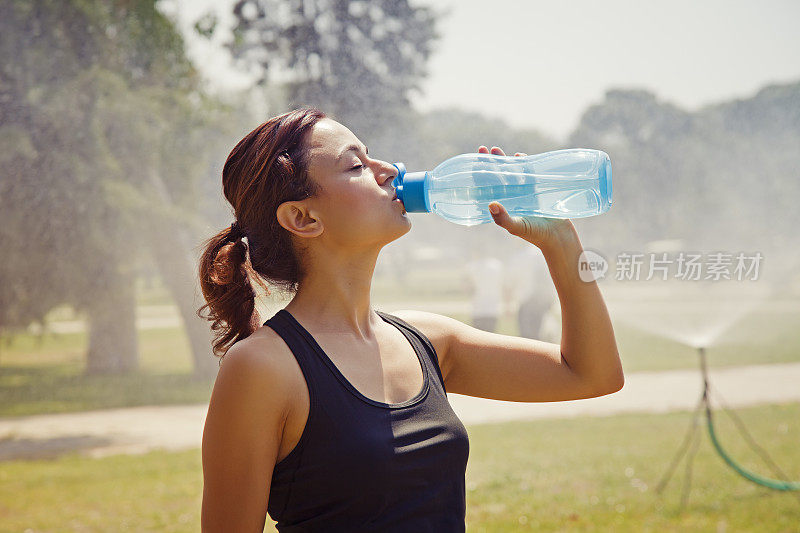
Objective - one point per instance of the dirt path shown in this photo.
(140, 429)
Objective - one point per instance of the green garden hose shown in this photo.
(775, 484)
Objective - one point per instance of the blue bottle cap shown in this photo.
(411, 188)
(401, 171)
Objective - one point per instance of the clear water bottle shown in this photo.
(571, 183)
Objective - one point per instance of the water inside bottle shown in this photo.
(556, 198)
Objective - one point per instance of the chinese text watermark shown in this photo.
(635, 266)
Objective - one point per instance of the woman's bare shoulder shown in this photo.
(263, 350)
(263, 358)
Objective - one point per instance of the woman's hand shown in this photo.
(540, 231)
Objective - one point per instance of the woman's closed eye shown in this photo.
(357, 167)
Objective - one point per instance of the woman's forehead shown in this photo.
(328, 137)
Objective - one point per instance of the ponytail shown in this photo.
(266, 168)
(229, 294)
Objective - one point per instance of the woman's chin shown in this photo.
(402, 228)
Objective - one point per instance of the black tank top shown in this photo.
(364, 465)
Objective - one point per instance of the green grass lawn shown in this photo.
(47, 376)
(44, 375)
(549, 475)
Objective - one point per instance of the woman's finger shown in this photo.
(496, 150)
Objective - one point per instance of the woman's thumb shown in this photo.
(502, 218)
(499, 213)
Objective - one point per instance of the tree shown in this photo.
(720, 178)
(104, 135)
(356, 60)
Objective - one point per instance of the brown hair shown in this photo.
(266, 168)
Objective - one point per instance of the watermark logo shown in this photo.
(686, 266)
(591, 266)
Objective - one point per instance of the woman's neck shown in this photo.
(335, 295)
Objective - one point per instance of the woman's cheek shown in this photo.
(350, 210)
(352, 206)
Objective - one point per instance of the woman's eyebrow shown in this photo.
(351, 147)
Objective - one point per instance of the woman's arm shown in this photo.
(588, 344)
(241, 438)
(502, 367)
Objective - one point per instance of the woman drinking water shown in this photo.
(332, 415)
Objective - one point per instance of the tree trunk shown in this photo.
(113, 343)
(179, 270)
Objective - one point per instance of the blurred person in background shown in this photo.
(485, 274)
(529, 284)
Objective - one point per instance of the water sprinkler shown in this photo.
(691, 440)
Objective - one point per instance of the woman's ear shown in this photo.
(299, 219)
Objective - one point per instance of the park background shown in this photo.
(116, 117)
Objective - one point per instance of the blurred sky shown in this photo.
(540, 64)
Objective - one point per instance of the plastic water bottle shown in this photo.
(571, 183)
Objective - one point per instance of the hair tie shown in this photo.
(235, 232)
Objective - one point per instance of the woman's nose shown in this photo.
(386, 171)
